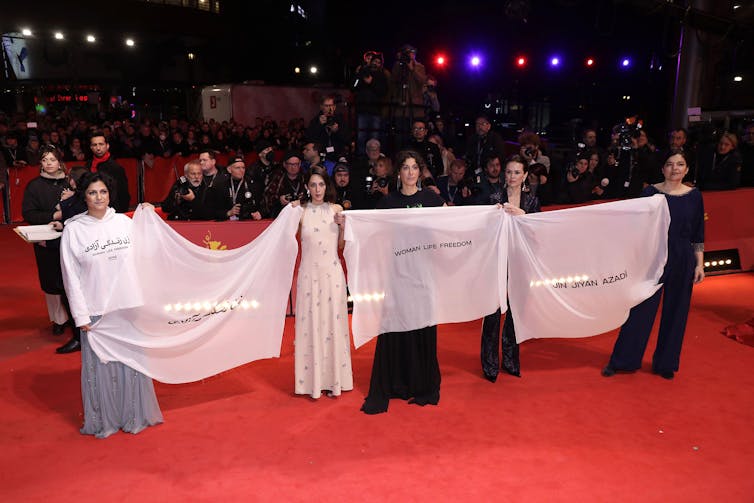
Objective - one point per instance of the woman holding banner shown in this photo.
(405, 363)
(95, 248)
(323, 343)
(517, 200)
(683, 269)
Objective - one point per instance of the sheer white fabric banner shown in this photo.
(416, 267)
(577, 272)
(205, 311)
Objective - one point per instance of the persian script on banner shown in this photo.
(205, 311)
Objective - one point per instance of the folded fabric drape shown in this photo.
(204, 311)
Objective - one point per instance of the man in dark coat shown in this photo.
(103, 163)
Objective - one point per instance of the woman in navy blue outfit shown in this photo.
(683, 268)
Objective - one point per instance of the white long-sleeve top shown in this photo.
(98, 266)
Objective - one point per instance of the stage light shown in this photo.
(475, 61)
(130, 42)
(297, 70)
(26, 32)
(722, 261)
(191, 56)
(91, 39)
(555, 61)
(440, 60)
(738, 78)
(313, 70)
(521, 62)
(590, 62)
(59, 35)
(625, 62)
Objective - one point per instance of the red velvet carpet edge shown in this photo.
(560, 433)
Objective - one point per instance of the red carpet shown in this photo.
(560, 433)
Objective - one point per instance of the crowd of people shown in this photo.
(328, 169)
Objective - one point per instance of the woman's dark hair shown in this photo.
(76, 174)
(538, 169)
(329, 187)
(401, 157)
(90, 178)
(518, 159)
(673, 152)
(50, 149)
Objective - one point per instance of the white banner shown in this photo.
(416, 267)
(205, 311)
(577, 272)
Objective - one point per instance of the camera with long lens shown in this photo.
(574, 171)
(529, 152)
(371, 183)
(290, 197)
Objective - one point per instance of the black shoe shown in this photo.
(69, 347)
(514, 373)
(665, 374)
(490, 377)
(58, 329)
(608, 371)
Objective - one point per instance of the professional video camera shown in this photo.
(627, 131)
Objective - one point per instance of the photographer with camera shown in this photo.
(579, 181)
(185, 201)
(285, 185)
(482, 144)
(244, 197)
(329, 129)
(376, 184)
(407, 81)
(262, 169)
(529, 150)
(370, 89)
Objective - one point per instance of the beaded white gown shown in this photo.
(322, 342)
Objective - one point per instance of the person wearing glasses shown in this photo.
(428, 150)
(329, 129)
(286, 185)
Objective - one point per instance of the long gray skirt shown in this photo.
(115, 396)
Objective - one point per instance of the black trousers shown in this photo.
(491, 344)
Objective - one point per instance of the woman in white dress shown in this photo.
(95, 245)
(323, 344)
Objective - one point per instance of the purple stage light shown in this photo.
(555, 61)
(625, 63)
(475, 61)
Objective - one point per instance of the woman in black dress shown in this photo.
(405, 363)
(40, 207)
